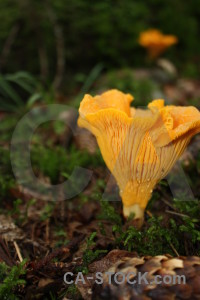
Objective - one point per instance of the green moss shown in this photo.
(10, 279)
(47, 211)
(155, 239)
(6, 177)
(73, 292)
(189, 214)
(109, 213)
(189, 207)
(158, 236)
(55, 162)
(60, 233)
(89, 255)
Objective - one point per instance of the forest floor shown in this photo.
(41, 239)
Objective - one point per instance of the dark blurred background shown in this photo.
(60, 41)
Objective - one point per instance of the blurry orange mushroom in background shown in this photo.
(138, 146)
(156, 42)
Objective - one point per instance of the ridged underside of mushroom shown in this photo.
(139, 146)
(189, 267)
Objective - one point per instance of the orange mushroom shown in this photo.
(138, 146)
(156, 42)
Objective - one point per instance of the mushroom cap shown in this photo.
(139, 146)
(156, 42)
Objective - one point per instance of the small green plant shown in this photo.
(19, 215)
(132, 234)
(10, 279)
(155, 239)
(16, 207)
(98, 190)
(72, 292)
(47, 211)
(87, 82)
(189, 212)
(89, 255)
(191, 208)
(7, 126)
(6, 176)
(109, 213)
(55, 162)
(59, 127)
(49, 161)
(30, 203)
(190, 228)
(6, 183)
(62, 235)
(17, 90)
(158, 238)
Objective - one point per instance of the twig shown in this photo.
(149, 213)
(18, 251)
(168, 203)
(176, 213)
(174, 249)
(47, 231)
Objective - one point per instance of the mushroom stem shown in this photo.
(138, 212)
(135, 197)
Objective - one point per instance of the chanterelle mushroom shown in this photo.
(156, 42)
(138, 146)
